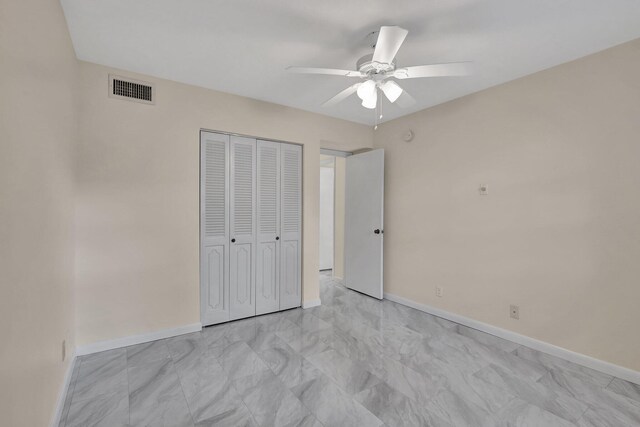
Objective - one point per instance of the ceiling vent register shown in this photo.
(131, 90)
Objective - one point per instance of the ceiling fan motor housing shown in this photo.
(366, 65)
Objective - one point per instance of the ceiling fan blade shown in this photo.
(434, 70)
(327, 71)
(342, 95)
(405, 100)
(389, 41)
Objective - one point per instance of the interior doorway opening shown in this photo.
(332, 212)
(351, 219)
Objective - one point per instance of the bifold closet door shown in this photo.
(268, 225)
(214, 228)
(290, 225)
(242, 216)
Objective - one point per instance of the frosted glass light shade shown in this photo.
(391, 90)
(366, 89)
(371, 101)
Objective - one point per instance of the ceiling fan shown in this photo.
(378, 68)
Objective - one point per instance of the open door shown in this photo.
(363, 229)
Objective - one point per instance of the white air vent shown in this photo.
(131, 90)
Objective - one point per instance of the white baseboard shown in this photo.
(571, 356)
(137, 339)
(62, 395)
(312, 303)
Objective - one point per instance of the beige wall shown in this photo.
(559, 232)
(338, 237)
(137, 211)
(38, 72)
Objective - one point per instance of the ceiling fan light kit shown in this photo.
(371, 101)
(368, 93)
(375, 69)
(391, 90)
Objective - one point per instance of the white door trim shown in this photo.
(335, 153)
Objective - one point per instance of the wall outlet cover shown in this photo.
(514, 312)
(439, 291)
(483, 189)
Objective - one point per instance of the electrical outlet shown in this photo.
(64, 349)
(439, 291)
(514, 312)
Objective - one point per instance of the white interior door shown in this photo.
(363, 229)
(268, 226)
(214, 228)
(242, 283)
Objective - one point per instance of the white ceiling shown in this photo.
(243, 47)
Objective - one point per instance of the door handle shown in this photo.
(277, 238)
(377, 231)
(233, 240)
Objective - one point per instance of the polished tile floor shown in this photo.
(354, 361)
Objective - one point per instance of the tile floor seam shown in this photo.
(331, 380)
(289, 388)
(328, 378)
(609, 383)
(128, 387)
(253, 416)
(175, 370)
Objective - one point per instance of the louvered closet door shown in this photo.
(243, 227)
(214, 228)
(268, 223)
(290, 225)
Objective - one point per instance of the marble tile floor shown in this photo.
(353, 361)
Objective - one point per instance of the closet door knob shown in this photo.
(233, 240)
(377, 231)
(277, 238)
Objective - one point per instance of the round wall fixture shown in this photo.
(408, 136)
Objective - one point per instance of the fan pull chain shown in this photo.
(378, 112)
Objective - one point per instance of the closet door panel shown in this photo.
(214, 228)
(290, 225)
(268, 227)
(290, 273)
(242, 227)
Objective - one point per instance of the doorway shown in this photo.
(332, 212)
(351, 219)
(327, 219)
